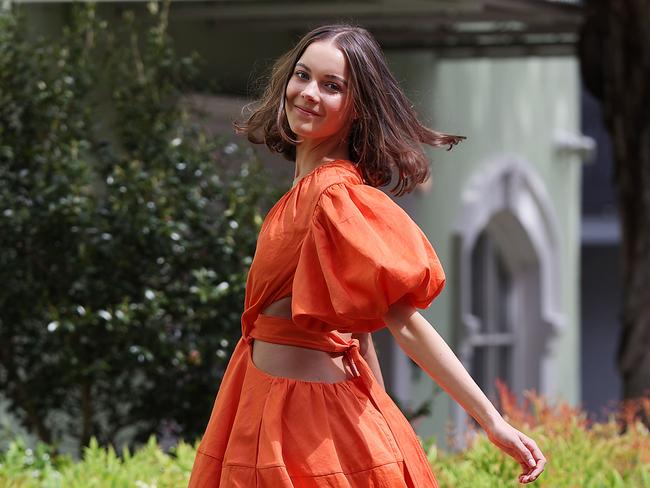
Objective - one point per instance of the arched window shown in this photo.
(509, 290)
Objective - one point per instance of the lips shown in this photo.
(306, 111)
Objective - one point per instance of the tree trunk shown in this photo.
(615, 61)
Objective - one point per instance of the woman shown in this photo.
(302, 401)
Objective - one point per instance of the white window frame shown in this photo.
(507, 200)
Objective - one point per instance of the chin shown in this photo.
(303, 132)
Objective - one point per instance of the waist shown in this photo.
(301, 363)
(279, 330)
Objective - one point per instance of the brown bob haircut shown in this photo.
(386, 132)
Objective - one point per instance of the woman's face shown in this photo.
(317, 98)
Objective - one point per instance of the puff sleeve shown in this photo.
(361, 254)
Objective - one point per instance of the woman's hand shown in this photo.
(519, 446)
(422, 343)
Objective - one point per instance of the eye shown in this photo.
(300, 74)
(333, 87)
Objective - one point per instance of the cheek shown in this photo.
(337, 107)
(292, 89)
(344, 102)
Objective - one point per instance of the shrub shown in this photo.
(580, 454)
(149, 466)
(125, 239)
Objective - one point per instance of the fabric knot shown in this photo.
(352, 356)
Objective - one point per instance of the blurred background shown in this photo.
(129, 210)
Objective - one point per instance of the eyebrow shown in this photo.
(342, 80)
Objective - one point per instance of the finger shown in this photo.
(525, 455)
(532, 446)
(534, 474)
(538, 470)
(526, 469)
(520, 453)
(537, 453)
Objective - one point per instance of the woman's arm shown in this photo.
(367, 350)
(417, 338)
(423, 344)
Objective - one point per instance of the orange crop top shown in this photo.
(344, 251)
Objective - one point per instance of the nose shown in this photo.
(310, 92)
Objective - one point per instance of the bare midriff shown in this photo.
(300, 363)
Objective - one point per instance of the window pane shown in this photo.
(478, 279)
(491, 297)
(491, 287)
(504, 285)
(490, 363)
(504, 365)
(477, 368)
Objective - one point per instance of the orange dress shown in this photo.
(345, 252)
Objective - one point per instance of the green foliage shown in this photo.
(579, 455)
(126, 234)
(149, 466)
(577, 459)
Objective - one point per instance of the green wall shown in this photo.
(505, 107)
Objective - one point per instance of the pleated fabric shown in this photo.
(269, 431)
(361, 254)
(344, 252)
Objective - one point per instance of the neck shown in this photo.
(311, 153)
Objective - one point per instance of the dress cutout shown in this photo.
(345, 252)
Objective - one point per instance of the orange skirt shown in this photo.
(275, 432)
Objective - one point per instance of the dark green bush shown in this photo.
(125, 238)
